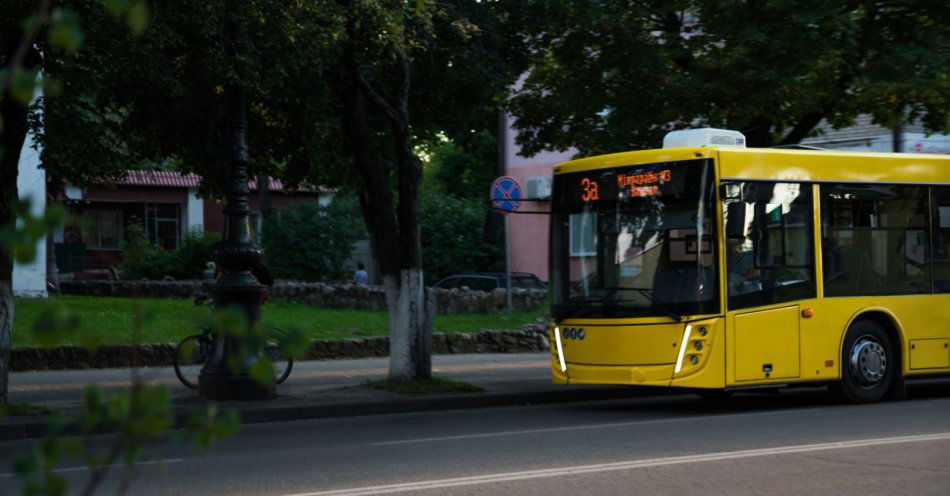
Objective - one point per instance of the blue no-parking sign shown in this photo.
(506, 194)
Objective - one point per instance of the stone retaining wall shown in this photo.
(163, 355)
(448, 301)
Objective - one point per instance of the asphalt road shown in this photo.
(797, 442)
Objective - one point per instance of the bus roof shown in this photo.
(788, 165)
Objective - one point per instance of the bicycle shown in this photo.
(194, 350)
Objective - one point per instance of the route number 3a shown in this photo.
(590, 190)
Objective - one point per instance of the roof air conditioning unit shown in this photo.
(538, 188)
(690, 138)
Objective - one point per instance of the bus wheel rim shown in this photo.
(868, 361)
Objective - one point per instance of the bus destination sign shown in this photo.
(637, 184)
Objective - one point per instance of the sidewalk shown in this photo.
(321, 389)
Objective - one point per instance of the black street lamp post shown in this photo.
(237, 286)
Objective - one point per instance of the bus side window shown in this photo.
(940, 250)
(875, 239)
(769, 256)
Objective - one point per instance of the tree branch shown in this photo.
(377, 98)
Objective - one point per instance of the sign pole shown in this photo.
(507, 265)
(505, 194)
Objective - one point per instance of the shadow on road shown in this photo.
(684, 403)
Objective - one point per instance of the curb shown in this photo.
(30, 428)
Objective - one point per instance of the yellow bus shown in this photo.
(718, 267)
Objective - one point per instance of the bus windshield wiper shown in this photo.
(669, 313)
(575, 306)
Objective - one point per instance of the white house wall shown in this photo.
(195, 211)
(29, 280)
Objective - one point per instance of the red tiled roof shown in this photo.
(167, 179)
(160, 178)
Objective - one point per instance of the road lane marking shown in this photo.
(591, 426)
(626, 465)
(136, 464)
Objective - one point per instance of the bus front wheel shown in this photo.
(867, 363)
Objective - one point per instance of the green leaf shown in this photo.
(137, 17)
(263, 371)
(116, 7)
(51, 87)
(23, 85)
(56, 324)
(64, 31)
(24, 465)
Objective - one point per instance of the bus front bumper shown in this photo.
(696, 360)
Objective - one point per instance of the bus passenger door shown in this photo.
(766, 344)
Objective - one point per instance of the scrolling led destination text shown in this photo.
(645, 184)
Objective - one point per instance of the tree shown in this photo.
(612, 75)
(406, 73)
(312, 242)
(452, 236)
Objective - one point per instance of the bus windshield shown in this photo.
(635, 241)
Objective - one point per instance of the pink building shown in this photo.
(529, 233)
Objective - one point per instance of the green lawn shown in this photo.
(110, 319)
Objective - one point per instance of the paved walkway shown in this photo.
(318, 389)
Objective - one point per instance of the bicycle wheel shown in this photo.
(190, 355)
(283, 363)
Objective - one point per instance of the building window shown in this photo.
(163, 224)
(583, 234)
(101, 228)
(875, 239)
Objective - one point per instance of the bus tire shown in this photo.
(867, 363)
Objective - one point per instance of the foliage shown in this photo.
(107, 320)
(452, 230)
(432, 385)
(161, 98)
(140, 415)
(143, 259)
(612, 75)
(20, 238)
(465, 167)
(307, 241)
(193, 254)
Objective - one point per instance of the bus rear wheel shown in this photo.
(867, 363)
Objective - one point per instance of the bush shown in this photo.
(192, 256)
(142, 259)
(307, 241)
(452, 237)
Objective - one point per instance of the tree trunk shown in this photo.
(393, 227)
(6, 332)
(11, 143)
(15, 126)
(411, 313)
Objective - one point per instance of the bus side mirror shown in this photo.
(735, 219)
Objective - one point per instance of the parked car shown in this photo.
(487, 281)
